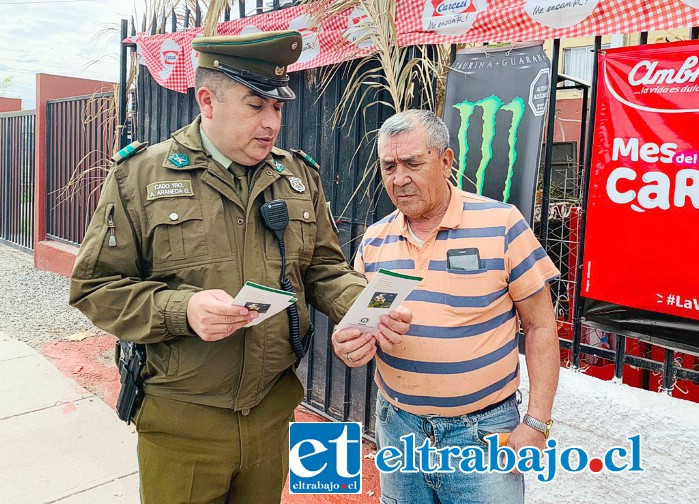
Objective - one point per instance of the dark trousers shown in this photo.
(190, 453)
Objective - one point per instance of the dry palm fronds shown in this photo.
(404, 74)
(104, 117)
(98, 115)
(389, 76)
(213, 16)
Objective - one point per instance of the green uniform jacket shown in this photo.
(166, 227)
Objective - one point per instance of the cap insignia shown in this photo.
(294, 45)
(279, 70)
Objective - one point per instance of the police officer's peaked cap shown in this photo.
(257, 60)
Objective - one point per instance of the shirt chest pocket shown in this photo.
(299, 235)
(466, 292)
(176, 230)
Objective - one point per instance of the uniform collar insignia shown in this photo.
(278, 167)
(179, 160)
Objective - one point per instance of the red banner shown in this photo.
(171, 61)
(454, 21)
(643, 209)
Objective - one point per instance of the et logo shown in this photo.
(325, 458)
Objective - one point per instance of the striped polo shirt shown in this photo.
(460, 353)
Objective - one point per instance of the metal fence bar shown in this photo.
(17, 179)
(123, 53)
(581, 142)
(577, 318)
(639, 362)
(80, 135)
(619, 357)
(548, 158)
(668, 371)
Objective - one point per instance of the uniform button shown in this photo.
(241, 221)
(174, 216)
(306, 215)
(245, 412)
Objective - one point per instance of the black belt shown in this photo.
(492, 406)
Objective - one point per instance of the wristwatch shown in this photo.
(544, 428)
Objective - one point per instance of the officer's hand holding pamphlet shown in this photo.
(386, 291)
(266, 301)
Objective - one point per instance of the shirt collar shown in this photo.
(211, 149)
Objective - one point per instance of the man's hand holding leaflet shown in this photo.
(386, 291)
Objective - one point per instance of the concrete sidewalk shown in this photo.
(58, 442)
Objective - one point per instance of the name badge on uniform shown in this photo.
(297, 184)
(169, 189)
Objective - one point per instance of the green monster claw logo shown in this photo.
(490, 105)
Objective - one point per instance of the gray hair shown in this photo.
(437, 132)
(216, 81)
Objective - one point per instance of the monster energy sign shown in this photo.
(495, 106)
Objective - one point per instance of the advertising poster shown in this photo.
(495, 106)
(643, 208)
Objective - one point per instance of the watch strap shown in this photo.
(543, 427)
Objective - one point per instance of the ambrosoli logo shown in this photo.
(642, 86)
(647, 72)
(512, 118)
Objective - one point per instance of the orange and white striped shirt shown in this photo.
(460, 354)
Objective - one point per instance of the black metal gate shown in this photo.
(17, 179)
(80, 137)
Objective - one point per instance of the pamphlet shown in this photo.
(264, 300)
(386, 291)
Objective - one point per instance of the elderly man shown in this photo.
(178, 231)
(452, 379)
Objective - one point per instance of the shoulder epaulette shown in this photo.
(130, 150)
(306, 159)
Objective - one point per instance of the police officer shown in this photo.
(176, 234)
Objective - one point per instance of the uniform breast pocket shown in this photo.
(176, 230)
(299, 235)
